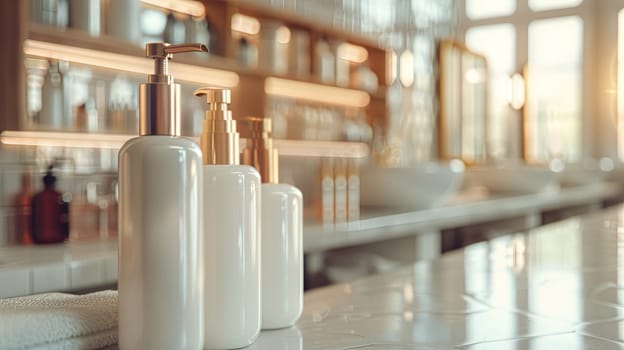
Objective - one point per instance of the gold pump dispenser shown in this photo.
(259, 151)
(159, 98)
(219, 138)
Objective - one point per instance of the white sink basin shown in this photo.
(418, 187)
(586, 172)
(513, 177)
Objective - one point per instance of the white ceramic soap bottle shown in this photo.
(282, 226)
(160, 182)
(231, 231)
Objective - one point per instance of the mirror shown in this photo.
(462, 98)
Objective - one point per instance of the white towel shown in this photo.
(59, 321)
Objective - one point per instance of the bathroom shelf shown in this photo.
(111, 53)
(295, 148)
(250, 87)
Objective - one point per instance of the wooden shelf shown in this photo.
(250, 86)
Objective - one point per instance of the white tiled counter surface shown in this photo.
(71, 266)
(560, 286)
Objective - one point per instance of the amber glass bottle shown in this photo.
(49, 213)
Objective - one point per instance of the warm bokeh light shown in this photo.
(352, 53)
(406, 68)
(283, 35)
(245, 24)
(63, 139)
(517, 91)
(191, 8)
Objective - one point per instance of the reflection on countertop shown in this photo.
(556, 287)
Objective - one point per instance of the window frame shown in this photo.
(521, 19)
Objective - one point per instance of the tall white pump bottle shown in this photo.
(282, 229)
(231, 231)
(160, 183)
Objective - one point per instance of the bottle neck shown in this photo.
(159, 108)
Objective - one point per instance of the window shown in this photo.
(498, 44)
(620, 86)
(478, 9)
(543, 5)
(554, 89)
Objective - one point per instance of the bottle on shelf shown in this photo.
(197, 31)
(49, 213)
(342, 65)
(231, 231)
(50, 12)
(299, 53)
(21, 205)
(353, 190)
(160, 201)
(85, 15)
(273, 47)
(122, 20)
(175, 30)
(325, 68)
(340, 192)
(52, 113)
(281, 229)
(327, 192)
(247, 53)
(85, 215)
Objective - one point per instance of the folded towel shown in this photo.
(59, 321)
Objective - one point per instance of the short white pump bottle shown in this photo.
(160, 184)
(231, 231)
(282, 226)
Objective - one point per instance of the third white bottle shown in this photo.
(231, 231)
(282, 226)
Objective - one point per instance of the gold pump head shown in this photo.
(159, 98)
(219, 138)
(259, 151)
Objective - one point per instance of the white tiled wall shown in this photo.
(85, 274)
(15, 282)
(48, 278)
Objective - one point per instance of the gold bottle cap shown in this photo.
(219, 138)
(259, 151)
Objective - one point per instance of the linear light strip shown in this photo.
(321, 149)
(63, 139)
(115, 141)
(192, 8)
(316, 92)
(126, 63)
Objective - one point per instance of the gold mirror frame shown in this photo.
(462, 102)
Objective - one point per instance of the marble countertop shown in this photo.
(79, 265)
(560, 286)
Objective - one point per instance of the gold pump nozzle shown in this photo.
(159, 98)
(219, 138)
